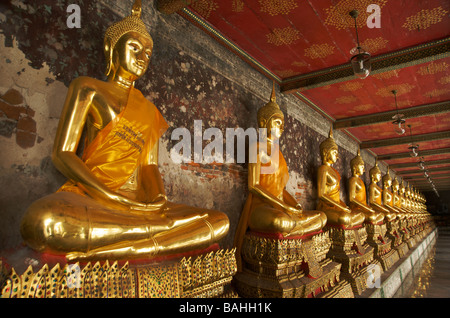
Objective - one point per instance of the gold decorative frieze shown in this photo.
(425, 18)
(207, 275)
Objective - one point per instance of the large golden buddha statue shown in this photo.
(114, 205)
(328, 189)
(357, 193)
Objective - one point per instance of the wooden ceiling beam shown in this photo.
(408, 172)
(405, 140)
(414, 164)
(384, 117)
(422, 153)
(423, 53)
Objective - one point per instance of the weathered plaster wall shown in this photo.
(191, 77)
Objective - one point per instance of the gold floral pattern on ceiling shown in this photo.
(316, 51)
(284, 36)
(433, 68)
(386, 75)
(444, 80)
(338, 15)
(424, 19)
(205, 7)
(285, 73)
(276, 7)
(351, 86)
(363, 107)
(346, 99)
(299, 64)
(374, 45)
(437, 92)
(400, 88)
(237, 6)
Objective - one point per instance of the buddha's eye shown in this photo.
(134, 47)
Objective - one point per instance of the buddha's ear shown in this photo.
(109, 55)
(262, 123)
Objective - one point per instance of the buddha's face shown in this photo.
(387, 183)
(376, 177)
(333, 155)
(360, 169)
(395, 187)
(132, 54)
(275, 126)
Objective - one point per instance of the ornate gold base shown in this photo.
(208, 275)
(286, 268)
(382, 244)
(411, 241)
(349, 247)
(402, 249)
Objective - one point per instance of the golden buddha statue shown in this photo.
(357, 192)
(349, 245)
(271, 220)
(114, 205)
(388, 198)
(328, 189)
(270, 208)
(410, 219)
(375, 192)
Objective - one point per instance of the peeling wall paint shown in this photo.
(190, 78)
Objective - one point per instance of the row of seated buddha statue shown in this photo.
(284, 251)
(114, 207)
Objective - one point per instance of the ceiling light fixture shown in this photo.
(399, 120)
(413, 148)
(360, 60)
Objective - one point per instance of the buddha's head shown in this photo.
(271, 118)
(402, 188)
(128, 46)
(408, 192)
(329, 149)
(357, 164)
(395, 185)
(375, 173)
(387, 180)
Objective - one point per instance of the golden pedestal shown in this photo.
(349, 247)
(278, 267)
(382, 244)
(208, 275)
(396, 234)
(411, 239)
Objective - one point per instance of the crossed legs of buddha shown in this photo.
(81, 228)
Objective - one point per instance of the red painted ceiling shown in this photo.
(288, 38)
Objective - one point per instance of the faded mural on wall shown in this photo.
(40, 56)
